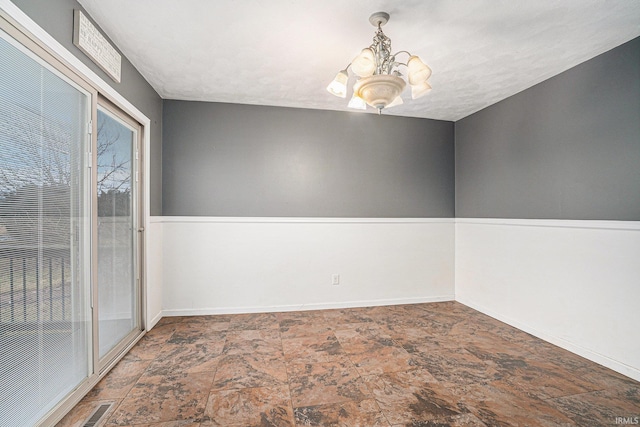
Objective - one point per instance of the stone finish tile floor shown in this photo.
(436, 364)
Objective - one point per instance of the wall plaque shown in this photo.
(90, 41)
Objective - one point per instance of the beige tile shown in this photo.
(179, 423)
(249, 370)
(210, 323)
(461, 420)
(322, 347)
(242, 322)
(148, 346)
(164, 398)
(120, 380)
(365, 340)
(545, 380)
(415, 339)
(384, 359)
(347, 414)
(261, 406)
(322, 383)
(297, 328)
(606, 379)
(196, 333)
(253, 341)
(413, 397)
(186, 358)
(597, 408)
(499, 404)
(456, 367)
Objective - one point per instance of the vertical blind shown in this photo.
(44, 297)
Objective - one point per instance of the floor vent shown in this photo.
(97, 415)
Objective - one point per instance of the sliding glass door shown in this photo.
(45, 313)
(118, 290)
(70, 288)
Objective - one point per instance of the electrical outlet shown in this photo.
(335, 279)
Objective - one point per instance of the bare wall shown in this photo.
(255, 161)
(567, 148)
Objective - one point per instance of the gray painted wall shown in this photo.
(567, 148)
(242, 160)
(56, 18)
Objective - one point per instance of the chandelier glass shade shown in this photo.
(379, 81)
(379, 91)
(338, 86)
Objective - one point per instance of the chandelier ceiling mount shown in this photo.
(378, 19)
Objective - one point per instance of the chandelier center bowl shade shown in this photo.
(379, 80)
(379, 91)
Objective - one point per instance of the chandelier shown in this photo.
(379, 81)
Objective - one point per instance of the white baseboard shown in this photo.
(304, 307)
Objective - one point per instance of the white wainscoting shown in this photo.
(153, 271)
(575, 284)
(239, 265)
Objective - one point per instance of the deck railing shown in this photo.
(34, 284)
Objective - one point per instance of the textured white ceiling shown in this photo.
(285, 52)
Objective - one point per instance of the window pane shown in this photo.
(44, 313)
(117, 296)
